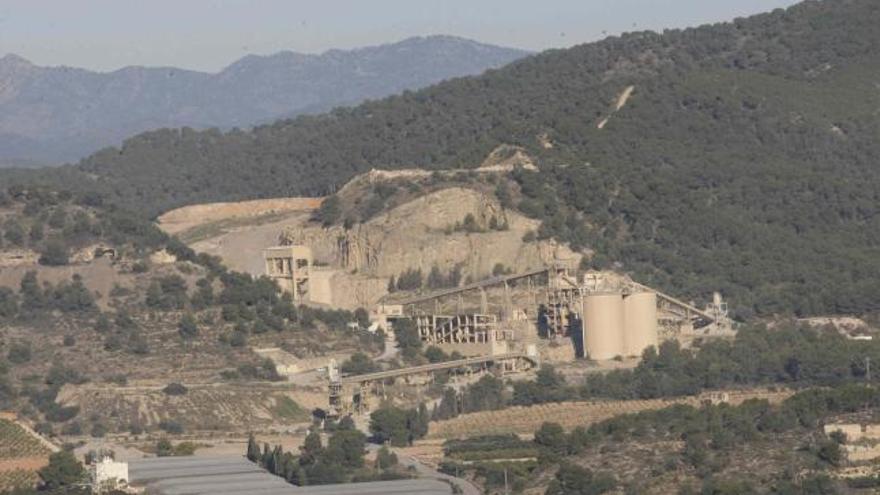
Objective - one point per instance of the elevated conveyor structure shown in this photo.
(482, 284)
(678, 307)
(358, 387)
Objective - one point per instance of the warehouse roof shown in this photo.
(234, 475)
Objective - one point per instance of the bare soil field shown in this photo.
(188, 217)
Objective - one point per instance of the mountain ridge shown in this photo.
(60, 113)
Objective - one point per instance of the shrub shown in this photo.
(172, 427)
(19, 353)
(54, 253)
(188, 328)
(358, 364)
(175, 389)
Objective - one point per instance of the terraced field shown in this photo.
(525, 420)
(202, 408)
(21, 455)
(18, 478)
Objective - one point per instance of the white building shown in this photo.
(108, 474)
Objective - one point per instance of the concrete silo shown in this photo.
(639, 322)
(603, 323)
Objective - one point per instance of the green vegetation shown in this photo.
(63, 471)
(712, 434)
(790, 354)
(488, 394)
(164, 448)
(399, 427)
(57, 223)
(794, 355)
(407, 336)
(175, 389)
(358, 364)
(711, 449)
(489, 447)
(340, 461)
(288, 409)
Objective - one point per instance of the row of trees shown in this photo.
(341, 460)
(34, 299)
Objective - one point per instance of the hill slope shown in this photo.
(745, 156)
(55, 114)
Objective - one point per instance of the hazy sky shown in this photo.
(209, 34)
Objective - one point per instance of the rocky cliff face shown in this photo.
(356, 263)
(421, 234)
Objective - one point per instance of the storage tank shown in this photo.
(603, 325)
(639, 322)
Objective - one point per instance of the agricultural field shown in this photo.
(17, 478)
(16, 443)
(525, 420)
(21, 455)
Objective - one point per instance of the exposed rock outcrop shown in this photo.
(355, 264)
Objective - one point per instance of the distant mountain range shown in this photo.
(58, 114)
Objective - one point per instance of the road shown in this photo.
(391, 349)
(424, 471)
(467, 488)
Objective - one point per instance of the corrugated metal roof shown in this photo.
(238, 476)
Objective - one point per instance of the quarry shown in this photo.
(513, 305)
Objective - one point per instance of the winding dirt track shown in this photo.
(187, 217)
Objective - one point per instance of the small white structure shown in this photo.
(107, 474)
(383, 314)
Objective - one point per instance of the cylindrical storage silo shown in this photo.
(603, 325)
(639, 322)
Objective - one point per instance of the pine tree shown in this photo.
(188, 328)
(420, 424)
(300, 478)
(253, 450)
(267, 454)
(311, 448)
(275, 466)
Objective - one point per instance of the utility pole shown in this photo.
(506, 490)
(868, 369)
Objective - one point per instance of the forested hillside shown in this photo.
(58, 114)
(746, 158)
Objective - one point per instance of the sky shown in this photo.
(207, 35)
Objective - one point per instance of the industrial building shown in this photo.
(107, 474)
(514, 322)
(605, 315)
(290, 267)
(233, 475)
